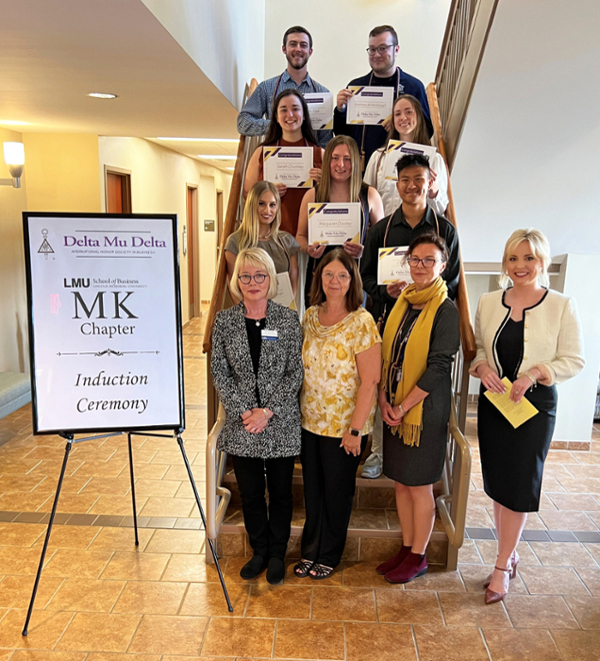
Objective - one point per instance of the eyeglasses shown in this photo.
(380, 49)
(340, 277)
(259, 278)
(428, 262)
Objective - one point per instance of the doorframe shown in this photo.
(113, 169)
(196, 246)
(220, 222)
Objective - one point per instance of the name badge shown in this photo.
(271, 335)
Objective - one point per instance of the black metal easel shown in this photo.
(70, 442)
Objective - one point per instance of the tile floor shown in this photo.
(101, 599)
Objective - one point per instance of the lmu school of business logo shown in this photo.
(45, 248)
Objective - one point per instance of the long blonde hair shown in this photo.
(539, 247)
(249, 229)
(324, 185)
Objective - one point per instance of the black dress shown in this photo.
(512, 460)
(416, 466)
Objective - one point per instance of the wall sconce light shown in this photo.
(14, 157)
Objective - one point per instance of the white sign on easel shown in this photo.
(105, 322)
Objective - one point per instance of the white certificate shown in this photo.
(285, 295)
(288, 165)
(392, 266)
(396, 149)
(334, 223)
(369, 105)
(320, 108)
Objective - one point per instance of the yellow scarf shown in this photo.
(415, 355)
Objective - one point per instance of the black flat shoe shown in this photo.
(275, 571)
(253, 567)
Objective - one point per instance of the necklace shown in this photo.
(266, 237)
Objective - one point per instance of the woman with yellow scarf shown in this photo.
(421, 337)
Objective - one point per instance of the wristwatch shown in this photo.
(354, 432)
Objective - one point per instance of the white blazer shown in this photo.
(552, 336)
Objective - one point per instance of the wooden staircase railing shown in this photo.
(467, 30)
(220, 292)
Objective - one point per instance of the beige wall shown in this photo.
(225, 38)
(340, 55)
(159, 178)
(62, 172)
(13, 301)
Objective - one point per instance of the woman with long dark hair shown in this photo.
(290, 127)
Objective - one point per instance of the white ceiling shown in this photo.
(54, 52)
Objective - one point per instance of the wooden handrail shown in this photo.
(462, 298)
(467, 29)
(216, 301)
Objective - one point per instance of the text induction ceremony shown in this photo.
(104, 317)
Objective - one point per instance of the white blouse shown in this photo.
(374, 176)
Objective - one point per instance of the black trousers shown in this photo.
(268, 527)
(329, 476)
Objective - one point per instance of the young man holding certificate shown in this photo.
(370, 132)
(413, 218)
(256, 113)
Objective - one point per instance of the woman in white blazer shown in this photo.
(532, 336)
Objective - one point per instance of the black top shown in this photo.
(510, 348)
(401, 234)
(399, 347)
(255, 342)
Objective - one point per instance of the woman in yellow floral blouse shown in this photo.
(342, 364)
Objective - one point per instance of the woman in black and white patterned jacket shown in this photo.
(256, 366)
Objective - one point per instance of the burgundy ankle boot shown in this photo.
(414, 565)
(394, 562)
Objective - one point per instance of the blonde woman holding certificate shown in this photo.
(409, 126)
(532, 336)
(341, 181)
(260, 228)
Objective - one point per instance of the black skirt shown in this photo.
(512, 460)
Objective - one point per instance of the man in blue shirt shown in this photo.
(256, 114)
(383, 50)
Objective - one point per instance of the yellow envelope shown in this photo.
(516, 414)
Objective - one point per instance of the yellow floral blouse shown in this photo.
(331, 378)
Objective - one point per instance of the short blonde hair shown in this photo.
(260, 259)
(539, 247)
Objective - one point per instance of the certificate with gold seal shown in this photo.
(369, 105)
(397, 149)
(392, 266)
(320, 109)
(288, 165)
(334, 223)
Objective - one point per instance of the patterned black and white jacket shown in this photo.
(279, 380)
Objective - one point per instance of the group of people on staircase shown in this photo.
(367, 358)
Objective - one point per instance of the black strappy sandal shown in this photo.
(302, 567)
(321, 572)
